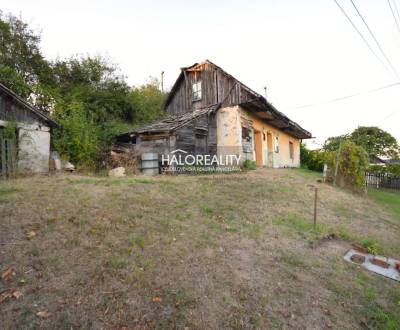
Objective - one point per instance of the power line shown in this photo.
(345, 97)
(394, 16)
(375, 39)
(362, 37)
(397, 10)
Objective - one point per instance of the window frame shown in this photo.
(276, 144)
(196, 91)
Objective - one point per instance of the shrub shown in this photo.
(371, 245)
(312, 159)
(78, 139)
(10, 131)
(353, 163)
(393, 169)
(249, 164)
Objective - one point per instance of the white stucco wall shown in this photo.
(229, 132)
(34, 148)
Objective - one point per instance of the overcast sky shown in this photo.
(303, 51)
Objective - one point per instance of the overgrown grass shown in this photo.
(214, 251)
(391, 200)
(110, 181)
(309, 173)
(300, 225)
(380, 319)
(5, 191)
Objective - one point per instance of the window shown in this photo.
(246, 134)
(196, 91)
(276, 144)
(247, 140)
(291, 150)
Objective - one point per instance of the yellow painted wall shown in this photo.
(229, 137)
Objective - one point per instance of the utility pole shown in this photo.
(162, 81)
(337, 161)
(265, 91)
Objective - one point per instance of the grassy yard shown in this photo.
(223, 251)
(390, 200)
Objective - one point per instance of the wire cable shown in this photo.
(394, 16)
(375, 39)
(362, 37)
(345, 97)
(397, 10)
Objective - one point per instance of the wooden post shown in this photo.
(337, 162)
(315, 208)
(162, 81)
(3, 158)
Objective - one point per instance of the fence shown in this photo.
(8, 162)
(382, 181)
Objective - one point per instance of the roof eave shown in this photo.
(25, 104)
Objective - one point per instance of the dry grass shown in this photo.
(225, 251)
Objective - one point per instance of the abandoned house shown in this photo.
(208, 111)
(32, 149)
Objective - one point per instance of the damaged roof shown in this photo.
(172, 123)
(275, 117)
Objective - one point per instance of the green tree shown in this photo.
(23, 68)
(375, 141)
(147, 102)
(78, 139)
(91, 98)
(86, 95)
(94, 82)
(332, 143)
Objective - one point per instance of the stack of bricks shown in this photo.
(380, 261)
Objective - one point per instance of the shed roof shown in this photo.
(171, 123)
(27, 106)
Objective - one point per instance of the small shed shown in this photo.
(33, 131)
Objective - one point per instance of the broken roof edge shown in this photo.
(172, 123)
(279, 114)
(28, 106)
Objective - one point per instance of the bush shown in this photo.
(371, 245)
(312, 159)
(249, 164)
(10, 131)
(353, 163)
(393, 169)
(78, 138)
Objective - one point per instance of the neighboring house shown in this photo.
(211, 112)
(375, 160)
(33, 131)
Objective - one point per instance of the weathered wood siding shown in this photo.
(11, 110)
(198, 137)
(217, 86)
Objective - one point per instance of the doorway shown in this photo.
(258, 147)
